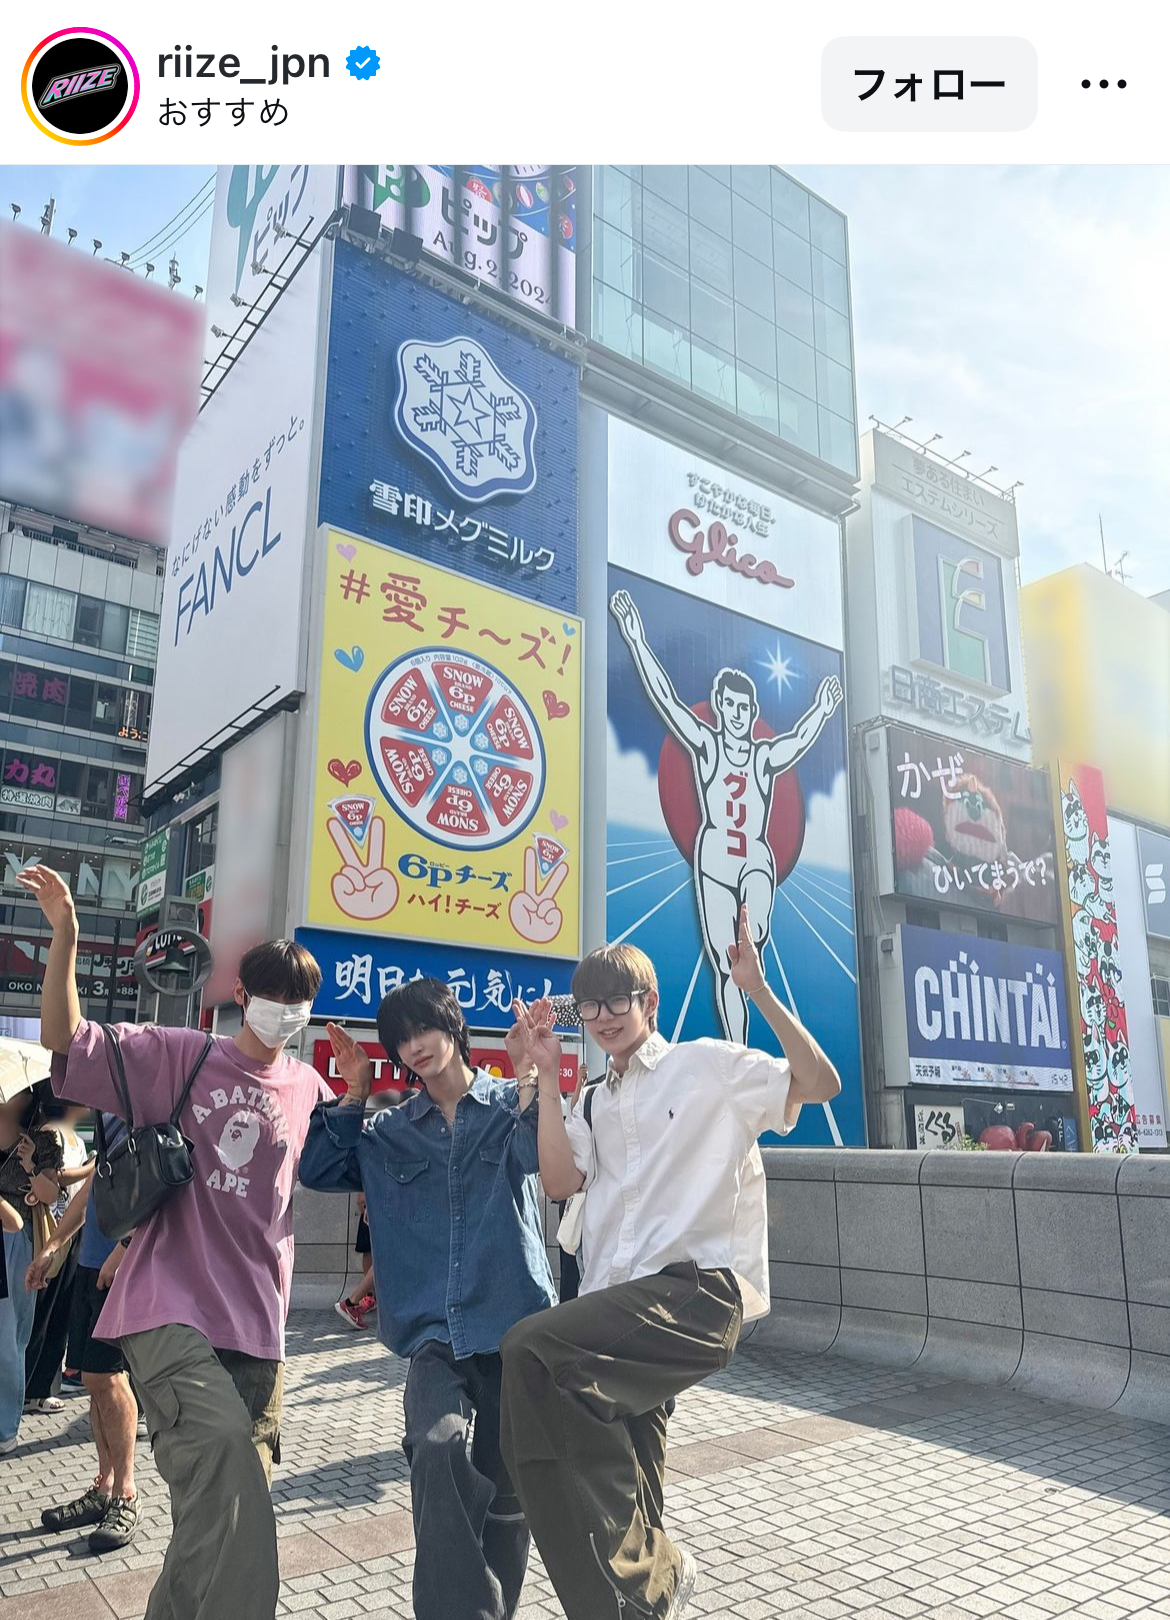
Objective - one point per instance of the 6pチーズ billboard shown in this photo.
(971, 829)
(447, 782)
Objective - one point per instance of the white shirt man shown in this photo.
(675, 1259)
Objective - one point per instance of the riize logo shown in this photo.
(80, 86)
(71, 85)
(457, 408)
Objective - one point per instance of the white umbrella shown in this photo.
(22, 1064)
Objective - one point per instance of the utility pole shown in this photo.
(48, 216)
(1101, 530)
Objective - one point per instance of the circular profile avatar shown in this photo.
(80, 86)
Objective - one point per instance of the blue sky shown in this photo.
(1019, 311)
(125, 207)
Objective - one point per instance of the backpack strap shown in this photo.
(587, 1103)
(208, 1042)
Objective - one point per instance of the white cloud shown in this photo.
(632, 787)
(826, 833)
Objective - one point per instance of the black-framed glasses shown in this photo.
(616, 1006)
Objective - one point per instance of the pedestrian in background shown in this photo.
(355, 1307)
(30, 1161)
(46, 1346)
(109, 1507)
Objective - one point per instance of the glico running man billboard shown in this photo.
(726, 775)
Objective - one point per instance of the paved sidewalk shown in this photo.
(804, 1486)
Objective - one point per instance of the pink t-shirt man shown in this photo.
(218, 1256)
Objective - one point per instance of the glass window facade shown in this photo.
(734, 281)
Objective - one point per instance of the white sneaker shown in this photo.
(50, 1403)
(9, 1445)
(685, 1590)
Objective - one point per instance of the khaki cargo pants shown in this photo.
(214, 1421)
(583, 1430)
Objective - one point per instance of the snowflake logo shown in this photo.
(439, 756)
(481, 740)
(461, 723)
(457, 409)
(440, 730)
(460, 776)
(480, 767)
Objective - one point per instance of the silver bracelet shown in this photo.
(527, 1085)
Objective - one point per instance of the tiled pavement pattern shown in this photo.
(805, 1487)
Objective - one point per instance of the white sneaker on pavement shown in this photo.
(685, 1590)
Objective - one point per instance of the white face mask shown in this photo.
(274, 1022)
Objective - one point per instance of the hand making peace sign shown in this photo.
(534, 913)
(363, 889)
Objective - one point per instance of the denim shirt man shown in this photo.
(450, 1183)
(454, 1212)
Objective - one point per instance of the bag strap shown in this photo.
(99, 1135)
(587, 1103)
(208, 1042)
(120, 1084)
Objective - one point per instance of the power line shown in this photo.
(176, 236)
(149, 244)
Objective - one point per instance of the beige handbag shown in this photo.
(44, 1229)
(572, 1223)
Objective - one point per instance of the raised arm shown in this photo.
(60, 1007)
(532, 1041)
(784, 751)
(681, 721)
(813, 1077)
(329, 1161)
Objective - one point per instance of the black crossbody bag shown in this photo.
(145, 1167)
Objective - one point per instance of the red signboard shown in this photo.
(485, 1053)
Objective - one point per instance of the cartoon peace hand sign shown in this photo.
(363, 889)
(534, 913)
